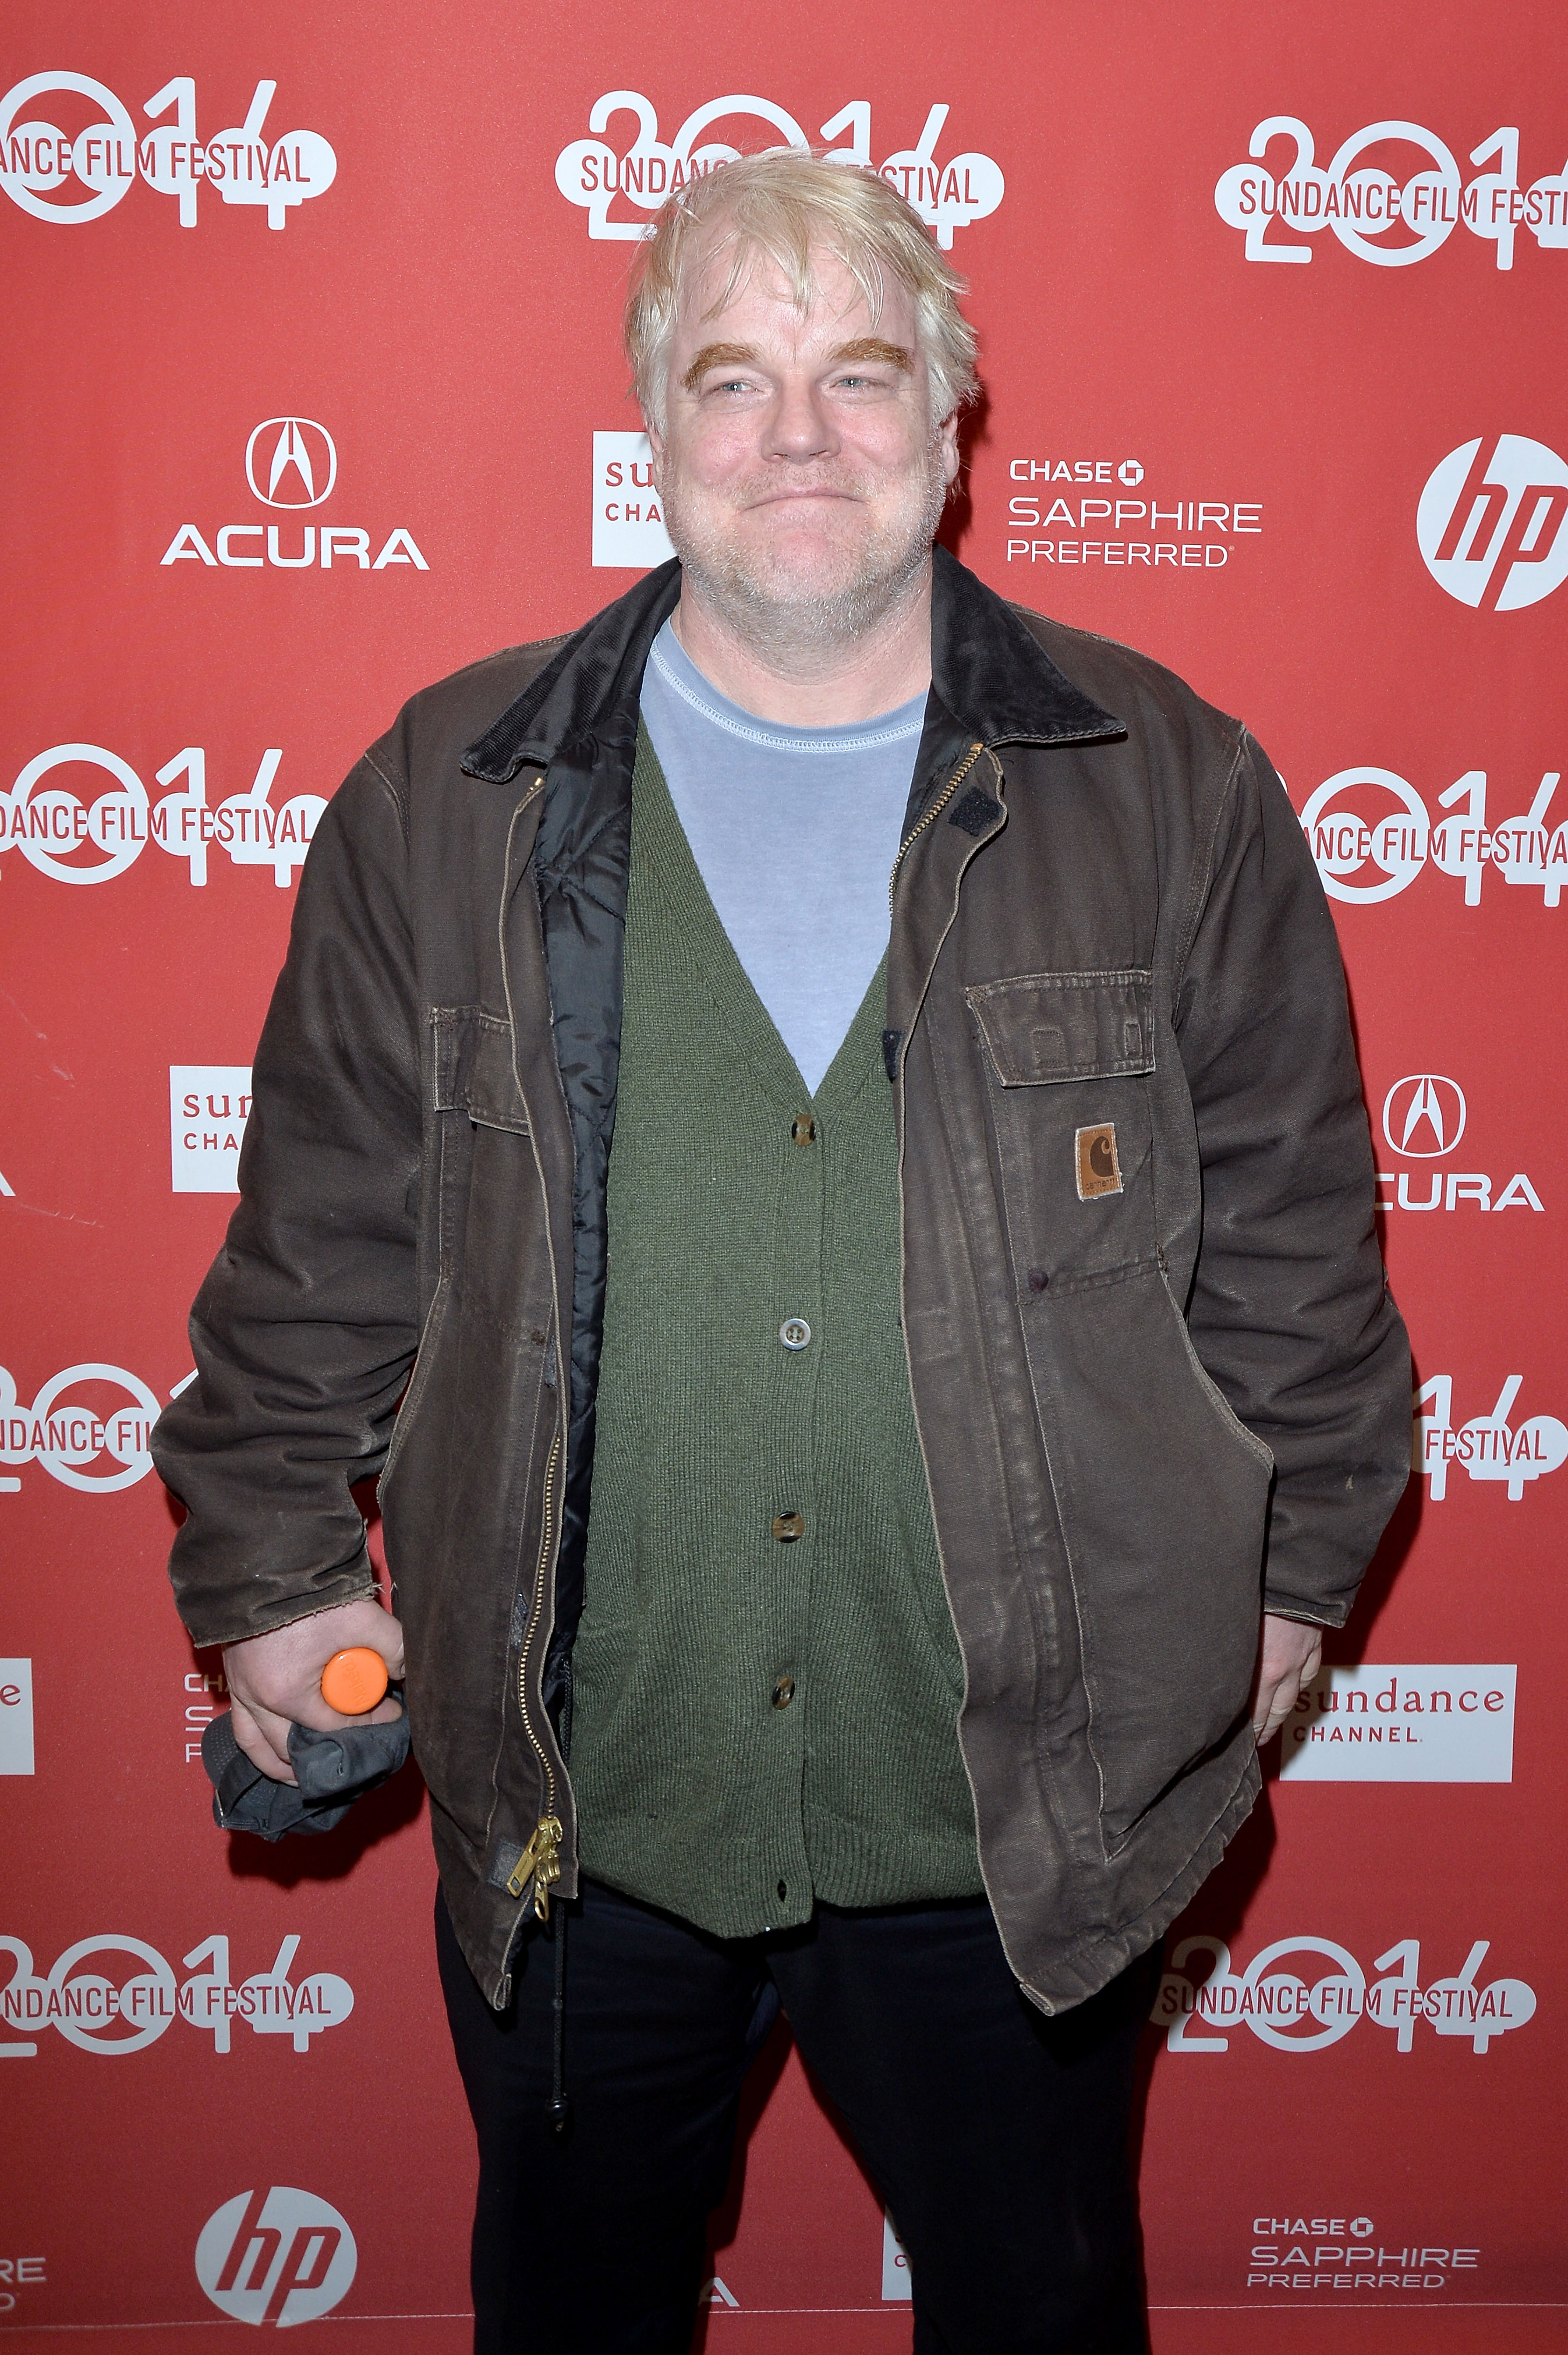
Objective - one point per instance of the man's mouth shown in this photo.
(791, 497)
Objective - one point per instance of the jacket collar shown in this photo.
(582, 684)
(988, 668)
(992, 674)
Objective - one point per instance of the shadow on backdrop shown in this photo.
(958, 515)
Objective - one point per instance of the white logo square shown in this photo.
(1379, 1723)
(16, 1717)
(209, 1106)
(895, 2264)
(628, 518)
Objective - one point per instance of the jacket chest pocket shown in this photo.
(1068, 1059)
(473, 1068)
(487, 1176)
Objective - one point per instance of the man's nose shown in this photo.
(799, 425)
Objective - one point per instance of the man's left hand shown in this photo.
(1288, 1658)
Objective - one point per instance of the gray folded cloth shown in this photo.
(334, 1770)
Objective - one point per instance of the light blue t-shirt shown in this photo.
(794, 831)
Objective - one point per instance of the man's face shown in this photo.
(801, 475)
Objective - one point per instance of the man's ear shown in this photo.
(948, 430)
(655, 444)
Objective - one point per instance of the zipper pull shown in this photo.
(541, 1863)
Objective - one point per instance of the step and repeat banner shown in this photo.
(312, 393)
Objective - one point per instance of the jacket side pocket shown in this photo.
(1163, 1501)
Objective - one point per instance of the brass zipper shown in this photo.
(540, 1860)
(541, 1863)
(937, 807)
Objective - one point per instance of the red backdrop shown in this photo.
(1271, 308)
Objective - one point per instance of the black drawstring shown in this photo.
(559, 2107)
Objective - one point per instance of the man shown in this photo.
(971, 1324)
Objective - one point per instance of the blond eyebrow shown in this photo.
(714, 356)
(871, 348)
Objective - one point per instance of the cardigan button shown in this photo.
(783, 1692)
(795, 1332)
(803, 1128)
(788, 1527)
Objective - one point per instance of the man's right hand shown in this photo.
(274, 1681)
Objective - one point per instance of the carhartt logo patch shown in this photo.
(1099, 1171)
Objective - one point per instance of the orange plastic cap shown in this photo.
(354, 1681)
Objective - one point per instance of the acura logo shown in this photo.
(291, 462)
(1423, 1115)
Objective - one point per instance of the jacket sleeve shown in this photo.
(305, 1328)
(1289, 1309)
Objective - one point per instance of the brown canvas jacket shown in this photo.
(1158, 1378)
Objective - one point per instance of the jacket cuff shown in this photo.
(209, 1629)
(1311, 1615)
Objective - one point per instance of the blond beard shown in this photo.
(795, 625)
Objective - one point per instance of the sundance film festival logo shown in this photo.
(1490, 524)
(88, 1428)
(69, 176)
(1423, 1118)
(597, 176)
(120, 2013)
(1371, 833)
(1376, 206)
(291, 462)
(279, 2257)
(75, 829)
(1489, 1447)
(1302, 1995)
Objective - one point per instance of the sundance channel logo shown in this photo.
(209, 1104)
(1424, 1118)
(277, 2257)
(1302, 1995)
(604, 178)
(628, 525)
(1392, 194)
(291, 465)
(70, 151)
(16, 1717)
(1378, 1723)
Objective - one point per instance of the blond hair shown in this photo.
(783, 206)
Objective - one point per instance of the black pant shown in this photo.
(998, 2138)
